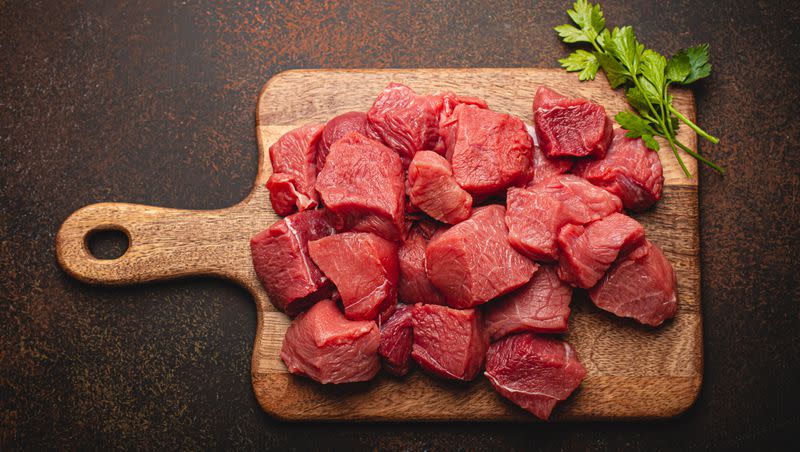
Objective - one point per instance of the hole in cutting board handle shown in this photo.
(107, 243)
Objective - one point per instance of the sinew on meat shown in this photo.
(294, 170)
(450, 343)
(472, 262)
(283, 265)
(640, 286)
(325, 346)
(534, 372)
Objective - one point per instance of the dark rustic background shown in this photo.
(153, 102)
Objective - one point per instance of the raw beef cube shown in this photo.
(540, 306)
(396, 339)
(488, 151)
(414, 285)
(282, 264)
(337, 128)
(327, 347)
(587, 252)
(472, 262)
(535, 215)
(533, 219)
(570, 127)
(362, 183)
(364, 269)
(545, 167)
(294, 170)
(406, 121)
(435, 191)
(629, 170)
(450, 343)
(640, 286)
(534, 372)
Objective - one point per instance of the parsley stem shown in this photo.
(694, 154)
(678, 157)
(693, 126)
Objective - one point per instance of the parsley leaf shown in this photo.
(616, 74)
(637, 127)
(698, 61)
(678, 67)
(588, 17)
(581, 60)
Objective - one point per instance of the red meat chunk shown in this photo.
(570, 127)
(327, 347)
(362, 183)
(545, 167)
(396, 339)
(536, 214)
(282, 264)
(434, 190)
(450, 343)
(364, 269)
(472, 262)
(337, 128)
(640, 286)
(541, 305)
(414, 285)
(587, 252)
(406, 121)
(534, 372)
(488, 151)
(629, 170)
(294, 170)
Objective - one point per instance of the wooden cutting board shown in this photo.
(634, 372)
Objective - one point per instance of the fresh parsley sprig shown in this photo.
(645, 74)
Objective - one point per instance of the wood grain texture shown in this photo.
(634, 372)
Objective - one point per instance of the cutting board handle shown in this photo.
(162, 244)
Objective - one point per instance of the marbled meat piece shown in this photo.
(414, 285)
(534, 372)
(325, 346)
(587, 252)
(629, 170)
(396, 339)
(362, 183)
(535, 215)
(364, 268)
(434, 190)
(541, 306)
(640, 286)
(294, 170)
(281, 261)
(450, 343)
(472, 262)
(570, 127)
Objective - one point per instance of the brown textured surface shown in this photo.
(152, 103)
